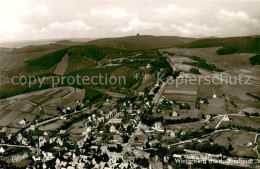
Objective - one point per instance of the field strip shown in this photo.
(62, 65)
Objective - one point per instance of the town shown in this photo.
(153, 125)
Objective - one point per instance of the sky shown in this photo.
(23, 20)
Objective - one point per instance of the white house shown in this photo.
(45, 133)
(214, 96)
(2, 150)
(112, 129)
(174, 114)
(57, 161)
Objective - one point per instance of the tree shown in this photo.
(230, 148)
(194, 71)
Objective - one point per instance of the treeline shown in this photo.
(254, 96)
(162, 63)
(151, 120)
(196, 134)
(195, 71)
(95, 52)
(255, 60)
(248, 45)
(92, 95)
(178, 121)
(9, 90)
(72, 121)
(202, 63)
(229, 45)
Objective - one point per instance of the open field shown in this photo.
(61, 67)
(27, 106)
(216, 106)
(182, 93)
(232, 90)
(193, 126)
(51, 126)
(77, 128)
(221, 61)
(243, 121)
(8, 118)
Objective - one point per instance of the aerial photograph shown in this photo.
(129, 84)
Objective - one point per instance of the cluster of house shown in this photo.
(133, 145)
(72, 107)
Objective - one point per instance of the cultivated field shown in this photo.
(29, 105)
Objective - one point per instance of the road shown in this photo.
(158, 95)
(220, 122)
(13, 145)
(126, 148)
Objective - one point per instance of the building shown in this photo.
(2, 150)
(112, 129)
(171, 133)
(214, 96)
(174, 114)
(226, 118)
(158, 127)
(208, 117)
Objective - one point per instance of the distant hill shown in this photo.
(39, 48)
(49, 46)
(141, 42)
